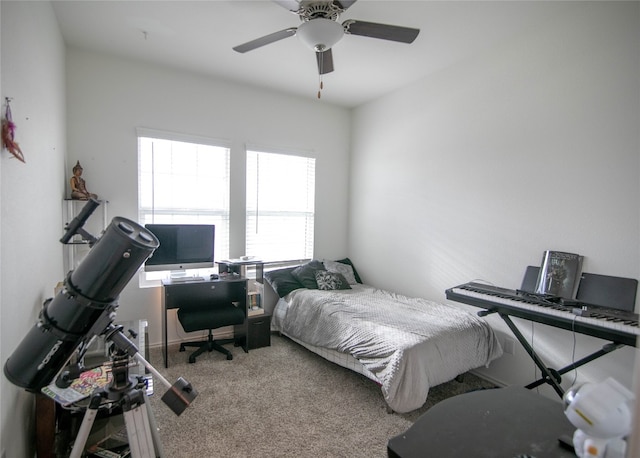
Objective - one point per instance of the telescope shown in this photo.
(83, 308)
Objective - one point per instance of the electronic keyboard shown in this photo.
(608, 323)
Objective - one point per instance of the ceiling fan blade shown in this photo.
(325, 62)
(291, 5)
(382, 31)
(267, 39)
(344, 4)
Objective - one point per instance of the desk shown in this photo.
(207, 291)
(501, 422)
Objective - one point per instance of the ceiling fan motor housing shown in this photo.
(313, 10)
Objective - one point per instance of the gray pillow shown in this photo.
(345, 269)
(355, 272)
(331, 280)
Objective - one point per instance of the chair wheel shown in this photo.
(192, 359)
(181, 347)
(229, 357)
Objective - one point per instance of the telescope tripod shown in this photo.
(129, 393)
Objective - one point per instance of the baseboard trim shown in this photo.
(488, 379)
(220, 335)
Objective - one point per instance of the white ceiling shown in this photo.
(198, 36)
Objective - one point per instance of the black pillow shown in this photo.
(355, 272)
(306, 274)
(282, 281)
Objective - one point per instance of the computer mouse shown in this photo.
(214, 276)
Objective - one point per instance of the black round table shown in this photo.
(502, 423)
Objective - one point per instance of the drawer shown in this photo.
(259, 332)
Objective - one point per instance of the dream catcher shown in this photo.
(8, 134)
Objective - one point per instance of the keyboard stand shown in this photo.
(551, 376)
(606, 348)
(594, 290)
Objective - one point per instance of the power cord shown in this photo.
(483, 281)
(535, 368)
(573, 351)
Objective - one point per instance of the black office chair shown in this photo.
(198, 317)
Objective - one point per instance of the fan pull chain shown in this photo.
(320, 73)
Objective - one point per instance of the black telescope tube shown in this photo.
(89, 295)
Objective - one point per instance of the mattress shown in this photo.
(342, 359)
(405, 344)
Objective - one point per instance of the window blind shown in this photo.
(185, 182)
(280, 203)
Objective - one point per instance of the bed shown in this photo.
(404, 344)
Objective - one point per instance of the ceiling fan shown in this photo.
(320, 30)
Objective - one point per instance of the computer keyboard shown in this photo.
(186, 279)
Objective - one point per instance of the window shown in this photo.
(184, 180)
(280, 206)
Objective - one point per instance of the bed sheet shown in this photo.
(407, 344)
(342, 359)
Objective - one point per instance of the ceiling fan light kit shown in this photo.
(320, 34)
(320, 30)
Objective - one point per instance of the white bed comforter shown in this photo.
(409, 344)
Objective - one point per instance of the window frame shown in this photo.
(147, 279)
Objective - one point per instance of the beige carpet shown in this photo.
(280, 401)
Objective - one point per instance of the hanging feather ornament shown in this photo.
(8, 134)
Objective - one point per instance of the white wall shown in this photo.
(473, 172)
(31, 221)
(108, 98)
(451, 176)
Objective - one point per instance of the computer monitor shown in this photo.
(182, 247)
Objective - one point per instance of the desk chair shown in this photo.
(201, 316)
